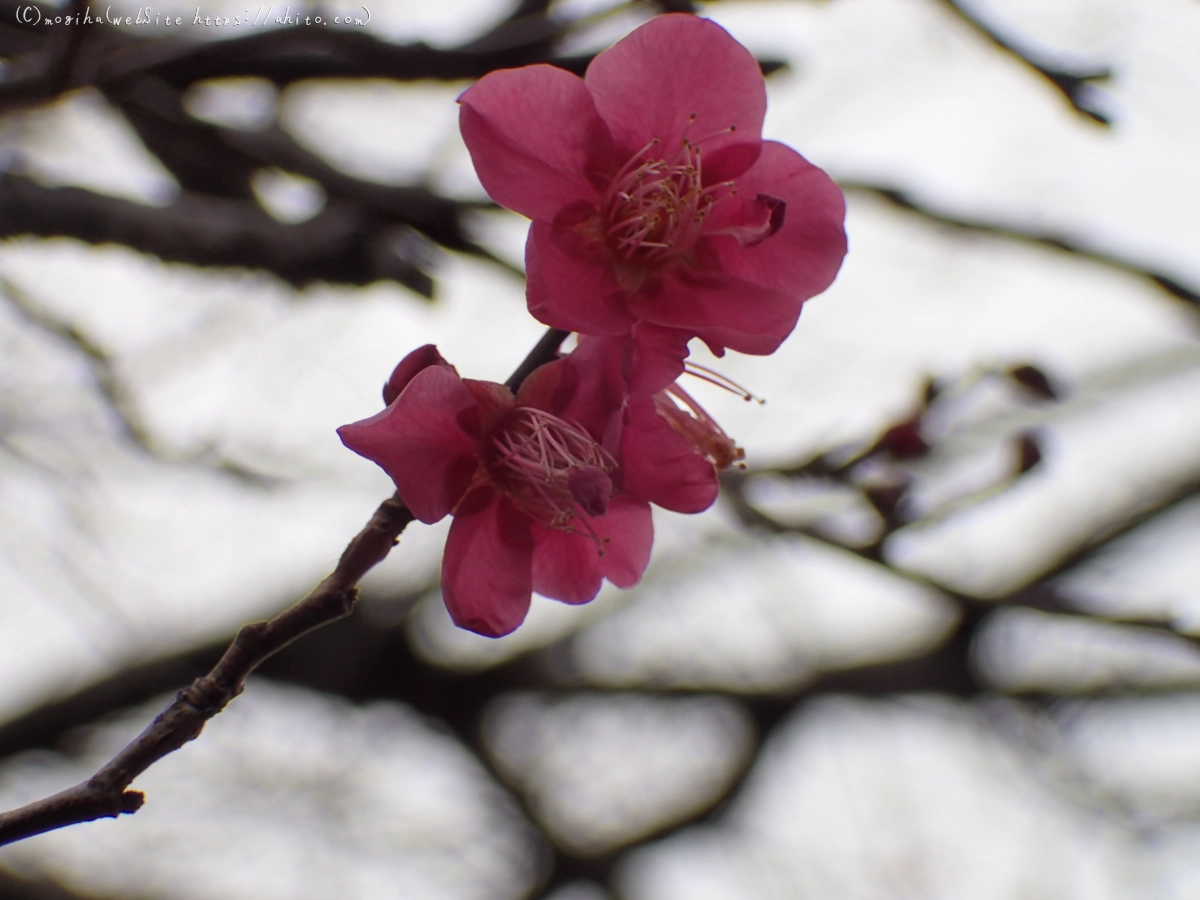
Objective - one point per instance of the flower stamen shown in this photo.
(695, 424)
(547, 466)
(655, 208)
(721, 380)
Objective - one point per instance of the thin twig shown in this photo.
(1076, 86)
(544, 351)
(105, 794)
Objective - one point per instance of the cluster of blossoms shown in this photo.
(659, 215)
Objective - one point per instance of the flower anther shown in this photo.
(655, 207)
(701, 430)
(547, 465)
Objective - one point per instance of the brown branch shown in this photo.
(14, 887)
(339, 245)
(1076, 86)
(546, 350)
(105, 794)
(47, 68)
(221, 162)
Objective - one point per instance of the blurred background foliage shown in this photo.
(937, 640)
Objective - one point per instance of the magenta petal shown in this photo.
(750, 220)
(571, 293)
(721, 310)
(658, 355)
(549, 386)
(627, 532)
(487, 567)
(566, 565)
(534, 136)
(418, 441)
(804, 255)
(661, 465)
(651, 83)
(600, 386)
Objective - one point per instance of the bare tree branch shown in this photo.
(1076, 86)
(339, 245)
(105, 794)
(13, 887)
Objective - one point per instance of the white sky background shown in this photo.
(111, 557)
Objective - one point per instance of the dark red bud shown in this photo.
(407, 369)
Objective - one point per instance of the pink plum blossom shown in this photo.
(535, 496)
(659, 213)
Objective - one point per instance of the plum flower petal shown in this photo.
(420, 442)
(535, 137)
(566, 565)
(627, 531)
(803, 257)
(569, 292)
(486, 569)
(670, 454)
(662, 465)
(699, 302)
(678, 76)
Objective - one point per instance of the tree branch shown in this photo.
(339, 245)
(1075, 86)
(105, 794)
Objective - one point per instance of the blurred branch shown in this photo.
(106, 794)
(1076, 86)
(100, 362)
(221, 162)
(903, 200)
(45, 68)
(113, 57)
(338, 245)
(1040, 594)
(13, 887)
